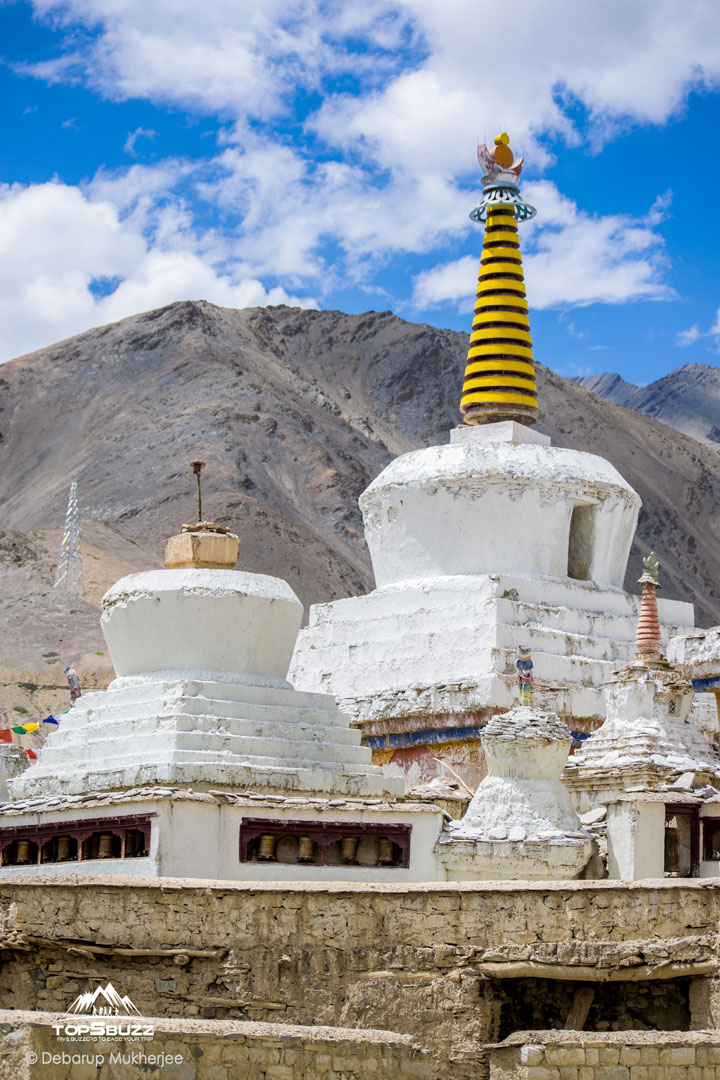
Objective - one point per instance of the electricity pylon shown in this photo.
(69, 574)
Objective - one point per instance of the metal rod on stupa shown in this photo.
(500, 373)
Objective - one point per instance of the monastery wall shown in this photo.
(628, 1056)
(202, 1050)
(455, 966)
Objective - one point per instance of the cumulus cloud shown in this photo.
(688, 337)
(377, 164)
(570, 257)
(69, 260)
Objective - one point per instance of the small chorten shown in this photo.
(205, 545)
(500, 374)
(520, 823)
(648, 737)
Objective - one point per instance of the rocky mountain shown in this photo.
(295, 412)
(687, 399)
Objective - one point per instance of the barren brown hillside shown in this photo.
(295, 412)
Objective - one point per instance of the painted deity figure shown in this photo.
(524, 667)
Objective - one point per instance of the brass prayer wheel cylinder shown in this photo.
(266, 847)
(24, 851)
(306, 849)
(64, 848)
(348, 848)
(105, 848)
(385, 853)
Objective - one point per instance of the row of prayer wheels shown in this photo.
(308, 850)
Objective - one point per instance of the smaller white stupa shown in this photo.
(201, 759)
(520, 823)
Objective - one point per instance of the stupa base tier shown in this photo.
(592, 787)
(488, 413)
(204, 735)
(162, 832)
(530, 860)
(446, 647)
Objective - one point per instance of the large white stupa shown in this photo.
(494, 541)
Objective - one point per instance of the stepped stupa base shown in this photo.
(204, 734)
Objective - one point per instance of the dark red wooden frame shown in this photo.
(78, 830)
(325, 833)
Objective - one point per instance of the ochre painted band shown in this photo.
(500, 350)
(502, 333)
(500, 365)
(499, 380)
(501, 285)
(495, 396)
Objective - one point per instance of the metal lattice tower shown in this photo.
(69, 574)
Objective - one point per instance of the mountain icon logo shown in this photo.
(104, 1001)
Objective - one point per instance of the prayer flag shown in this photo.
(5, 735)
(50, 720)
(31, 754)
(31, 727)
(19, 730)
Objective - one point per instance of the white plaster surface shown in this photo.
(523, 796)
(478, 507)
(202, 698)
(470, 545)
(648, 722)
(13, 762)
(221, 623)
(636, 840)
(200, 838)
(449, 644)
(697, 655)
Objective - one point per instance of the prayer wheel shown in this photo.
(385, 853)
(306, 849)
(24, 851)
(64, 848)
(266, 847)
(348, 848)
(105, 848)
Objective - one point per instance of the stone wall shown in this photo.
(208, 1050)
(438, 962)
(554, 1055)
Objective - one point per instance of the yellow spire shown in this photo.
(500, 374)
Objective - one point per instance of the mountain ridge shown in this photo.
(296, 411)
(687, 399)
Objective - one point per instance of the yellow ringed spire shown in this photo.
(500, 374)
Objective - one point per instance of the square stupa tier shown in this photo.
(493, 541)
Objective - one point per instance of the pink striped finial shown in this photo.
(648, 640)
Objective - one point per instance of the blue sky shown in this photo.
(323, 154)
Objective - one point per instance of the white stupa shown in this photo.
(496, 540)
(521, 823)
(201, 759)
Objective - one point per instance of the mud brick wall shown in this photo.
(630, 1056)
(208, 1050)
(429, 961)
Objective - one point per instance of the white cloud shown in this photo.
(427, 79)
(694, 333)
(570, 258)
(133, 136)
(688, 337)
(59, 246)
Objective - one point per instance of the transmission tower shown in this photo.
(69, 574)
